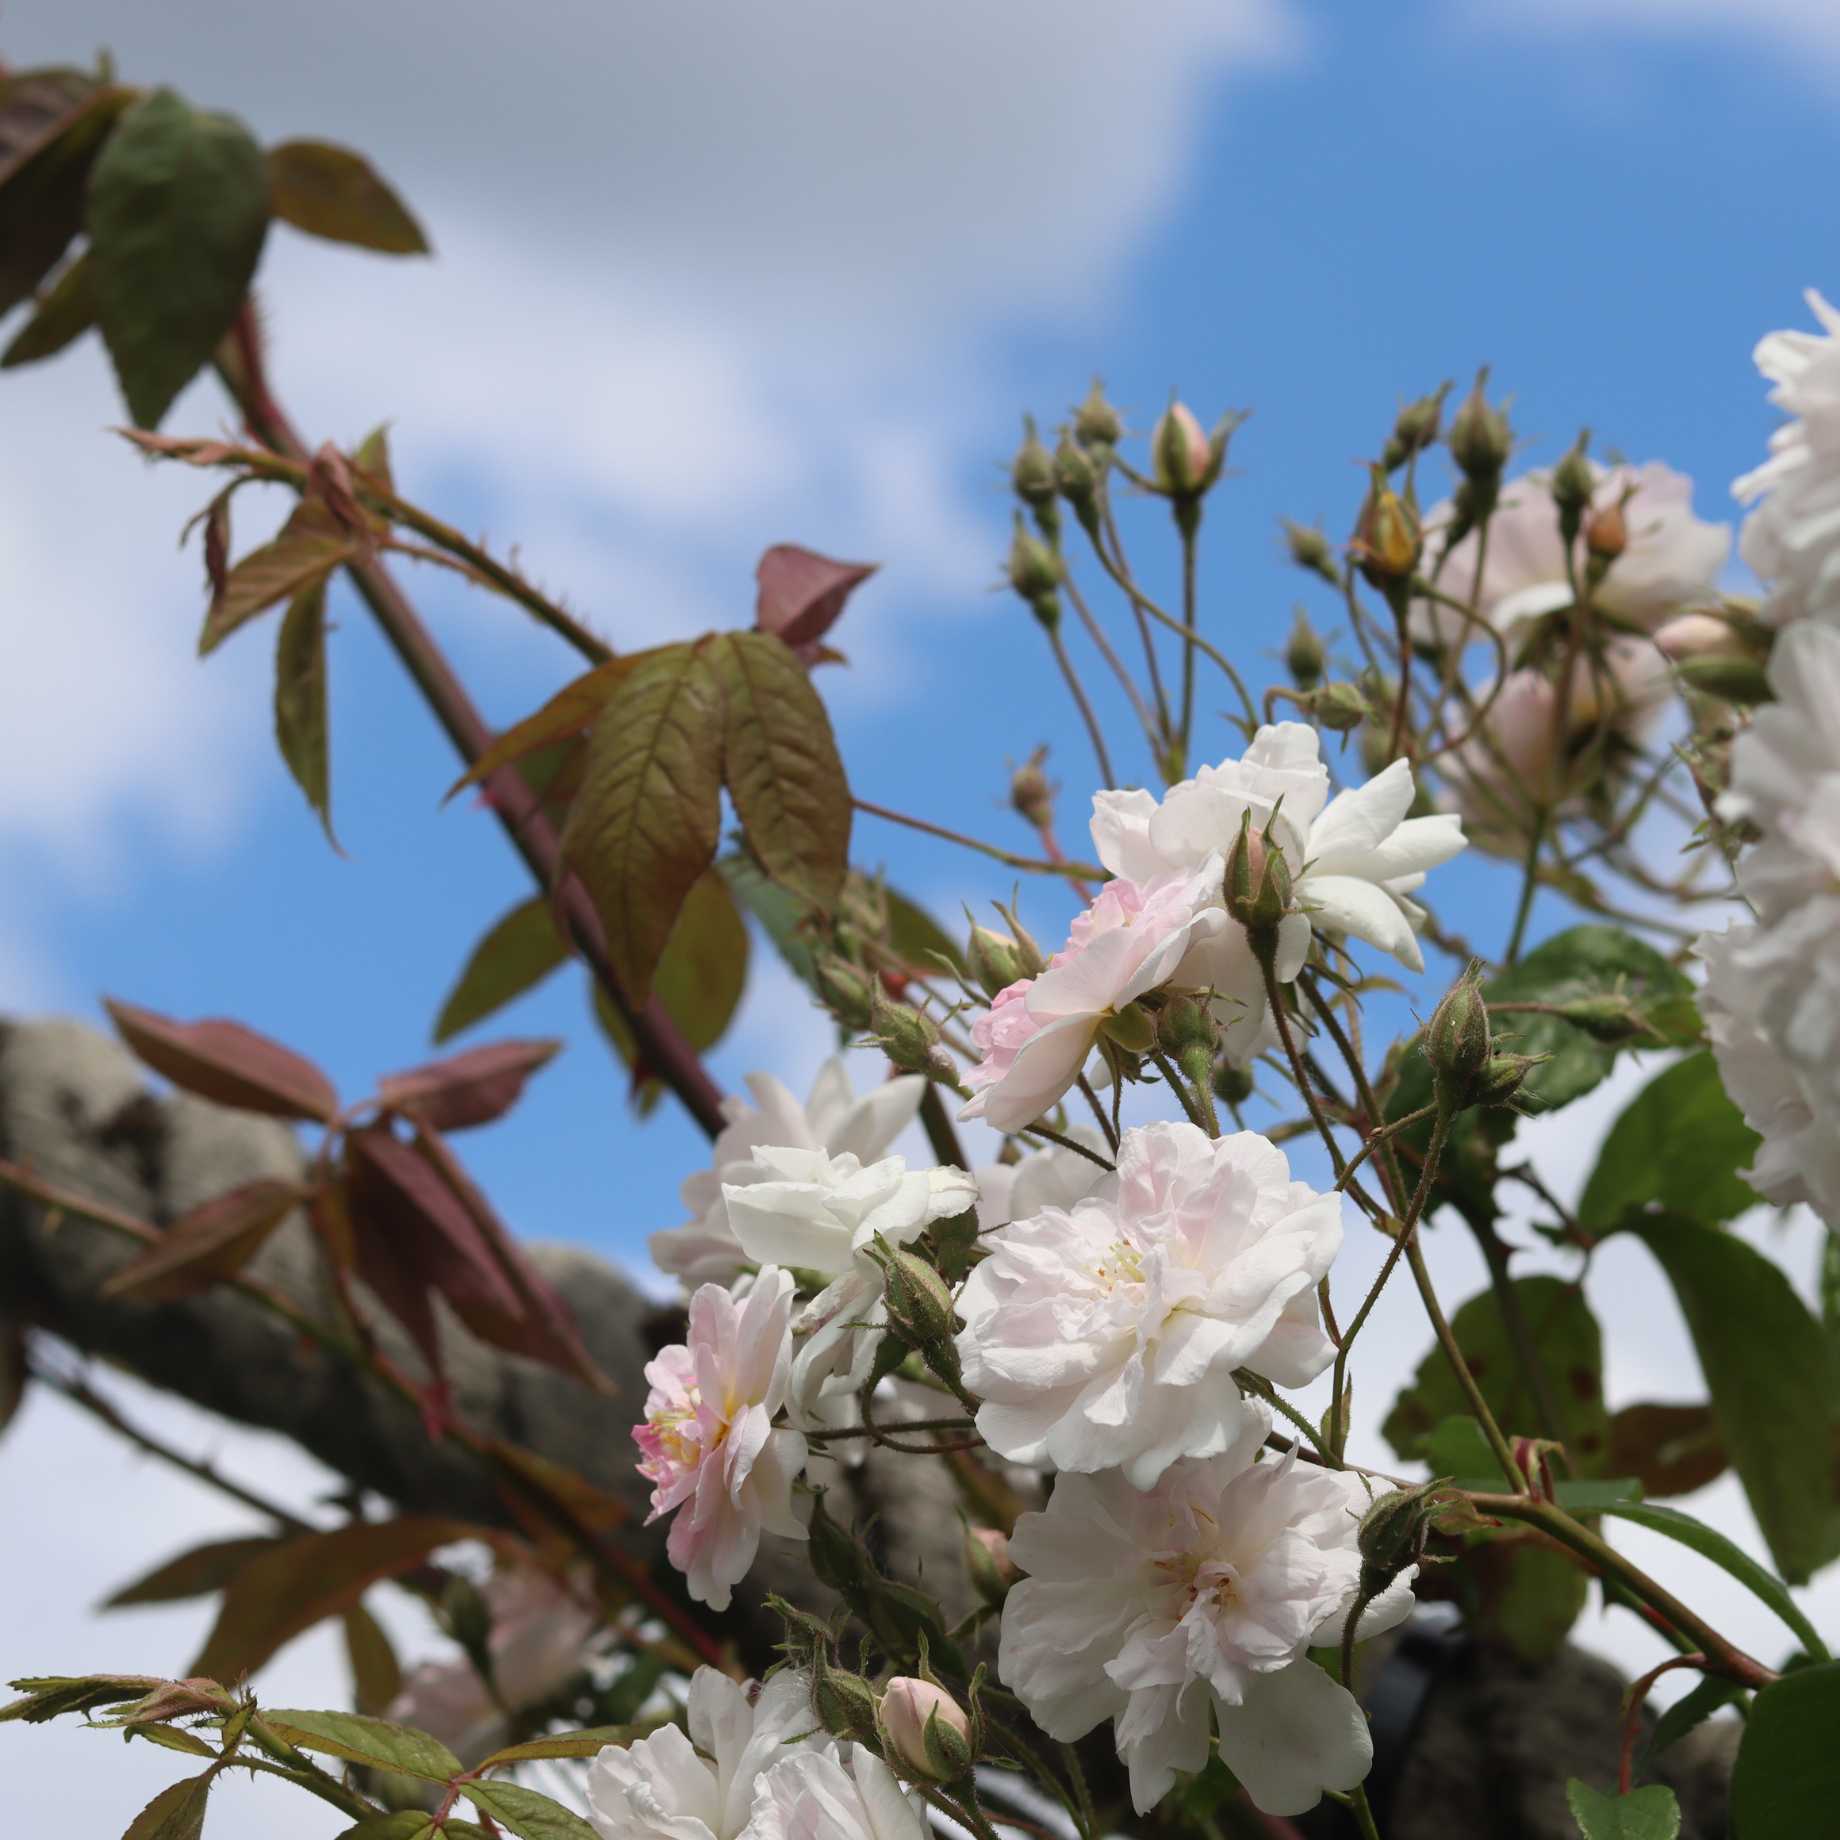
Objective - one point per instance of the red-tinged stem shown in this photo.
(1632, 1714)
(658, 1042)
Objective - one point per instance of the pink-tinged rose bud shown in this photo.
(987, 1559)
(1695, 635)
(925, 1729)
(1181, 452)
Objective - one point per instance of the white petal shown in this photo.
(1296, 1734)
(1346, 904)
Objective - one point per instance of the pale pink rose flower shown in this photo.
(1194, 1605)
(1671, 560)
(708, 1446)
(1134, 938)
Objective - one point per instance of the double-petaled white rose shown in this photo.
(1792, 538)
(1106, 1335)
(822, 1214)
(758, 1768)
(1354, 860)
(1191, 1606)
(833, 1119)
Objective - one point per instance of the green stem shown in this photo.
(1530, 882)
(1180, 1087)
(1077, 691)
(303, 1770)
(1076, 871)
(1724, 1657)
(941, 1133)
(1190, 528)
(1447, 1341)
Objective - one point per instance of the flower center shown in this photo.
(1122, 1264)
(673, 1432)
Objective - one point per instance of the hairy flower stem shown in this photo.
(1530, 883)
(1190, 525)
(1096, 633)
(1722, 1657)
(1120, 572)
(941, 1133)
(658, 1041)
(1183, 1092)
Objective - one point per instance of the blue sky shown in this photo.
(795, 279)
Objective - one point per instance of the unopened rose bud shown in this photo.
(1305, 656)
(1096, 424)
(919, 1304)
(1187, 1032)
(846, 990)
(1181, 456)
(993, 960)
(1031, 473)
(1392, 1535)
(1415, 429)
(1480, 439)
(1574, 479)
(1457, 1042)
(1606, 533)
(1387, 539)
(991, 1569)
(1339, 707)
(1503, 1076)
(926, 1729)
(845, 1704)
(908, 1038)
(1035, 573)
(1311, 550)
(1732, 678)
(1077, 479)
(1030, 795)
(1256, 888)
(1232, 1082)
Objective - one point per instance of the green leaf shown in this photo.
(701, 974)
(170, 1738)
(49, 1696)
(376, 1675)
(587, 1743)
(207, 1244)
(61, 317)
(53, 123)
(917, 938)
(412, 1824)
(525, 1812)
(306, 549)
(1643, 1814)
(1709, 1543)
(1570, 1350)
(1691, 1709)
(781, 766)
(178, 210)
(176, 1813)
(1458, 1448)
(310, 1577)
(1765, 1362)
(519, 952)
(1679, 1145)
(645, 823)
(375, 1743)
(574, 707)
(331, 191)
(1786, 1785)
(300, 699)
(1580, 963)
(783, 916)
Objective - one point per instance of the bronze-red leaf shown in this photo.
(466, 1089)
(802, 594)
(224, 1061)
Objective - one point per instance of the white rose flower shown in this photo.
(833, 1119)
(1792, 538)
(701, 1787)
(1671, 560)
(1051, 1177)
(1354, 859)
(840, 1793)
(821, 1214)
(1195, 1603)
(1107, 1334)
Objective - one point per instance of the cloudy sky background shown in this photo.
(710, 278)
